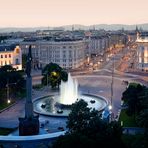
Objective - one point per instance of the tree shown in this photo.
(131, 97)
(86, 129)
(53, 74)
(11, 78)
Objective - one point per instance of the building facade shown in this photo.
(11, 55)
(97, 45)
(142, 53)
(67, 54)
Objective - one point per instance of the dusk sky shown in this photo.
(34, 13)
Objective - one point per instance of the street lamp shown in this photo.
(8, 97)
(110, 107)
(8, 101)
(46, 74)
(112, 82)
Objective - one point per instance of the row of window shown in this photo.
(2, 63)
(52, 47)
(2, 56)
(143, 60)
(5, 63)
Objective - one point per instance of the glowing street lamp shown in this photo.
(8, 101)
(110, 107)
(54, 73)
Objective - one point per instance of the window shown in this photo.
(1, 56)
(9, 55)
(5, 56)
(17, 61)
(64, 60)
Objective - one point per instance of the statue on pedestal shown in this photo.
(28, 64)
(29, 125)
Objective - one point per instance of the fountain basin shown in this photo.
(47, 105)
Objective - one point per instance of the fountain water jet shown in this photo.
(68, 91)
(60, 105)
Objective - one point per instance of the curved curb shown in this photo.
(62, 115)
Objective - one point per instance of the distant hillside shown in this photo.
(107, 26)
(81, 27)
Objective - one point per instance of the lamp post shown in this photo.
(8, 99)
(112, 83)
(47, 79)
(8, 91)
(46, 74)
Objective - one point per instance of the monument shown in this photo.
(29, 125)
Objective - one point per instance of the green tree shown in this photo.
(53, 74)
(86, 129)
(131, 96)
(11, 78)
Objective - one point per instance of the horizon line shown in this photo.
(72, 25)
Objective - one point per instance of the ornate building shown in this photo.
(11, 55)
(69, 54)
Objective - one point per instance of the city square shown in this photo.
(73, 74)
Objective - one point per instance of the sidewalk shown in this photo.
(133, 130)
(36, 72)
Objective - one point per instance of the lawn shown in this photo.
(6, 131)
(134, 141)
(128, 121)
(4, 105)
(38, 86)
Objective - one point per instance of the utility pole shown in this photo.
(112, 82)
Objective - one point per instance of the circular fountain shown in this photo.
(60, 105)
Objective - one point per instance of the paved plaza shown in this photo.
(98, 85)
(96, 82)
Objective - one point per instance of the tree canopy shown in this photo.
(132, 97)
(86, 129)
(11, 78)
(53, 74)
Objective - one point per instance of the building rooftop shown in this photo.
(6, 47)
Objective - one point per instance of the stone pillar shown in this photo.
(29, 104)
